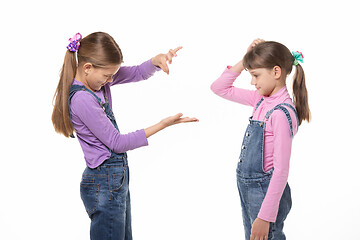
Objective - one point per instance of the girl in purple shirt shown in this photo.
(83, 104)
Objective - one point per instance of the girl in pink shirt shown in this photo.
(263, 166)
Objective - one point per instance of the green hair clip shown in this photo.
(298, 56)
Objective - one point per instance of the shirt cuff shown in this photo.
(142, 138)
(151, 67)
(228, 71)
(266, 218)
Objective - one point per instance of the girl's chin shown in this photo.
(98, 88)
(262, 93)
(259, 91)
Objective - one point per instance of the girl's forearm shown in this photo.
(238, 67)
(154, 129)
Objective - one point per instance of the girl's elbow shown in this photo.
(215, 89)
(212, 87)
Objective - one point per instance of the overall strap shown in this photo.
(292, 108)
(280, 106)
(258, 104)
(75, 88)
(256, 107)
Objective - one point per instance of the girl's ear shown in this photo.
(277, 72)
(87, 67)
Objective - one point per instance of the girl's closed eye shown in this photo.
(254, 74)
(108, 77)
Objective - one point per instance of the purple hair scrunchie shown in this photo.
(74, 43)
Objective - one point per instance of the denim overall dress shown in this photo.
(253, 182)
(105, 190)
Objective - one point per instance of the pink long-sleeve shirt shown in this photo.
(277, 138)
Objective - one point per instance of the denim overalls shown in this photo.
(253, 182)
(105, 190)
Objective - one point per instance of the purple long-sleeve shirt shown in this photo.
(94, 130)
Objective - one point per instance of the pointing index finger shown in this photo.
(177, 49)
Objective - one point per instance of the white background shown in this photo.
(183, 185)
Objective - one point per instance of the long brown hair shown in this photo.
(270, 54)
(99, 49)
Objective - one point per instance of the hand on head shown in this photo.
(254, 43)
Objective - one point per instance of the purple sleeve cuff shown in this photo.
(150, 67)
(142, 139)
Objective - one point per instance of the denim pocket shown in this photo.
(89, 192)
(255, 196)
(252, 195)
(118, 179)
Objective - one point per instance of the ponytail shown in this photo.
(300, 95)
(60, 116)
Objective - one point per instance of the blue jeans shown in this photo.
(105, 194)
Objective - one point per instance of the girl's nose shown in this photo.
(253, 81)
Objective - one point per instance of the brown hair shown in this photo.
(99, 49)
(270, 54)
